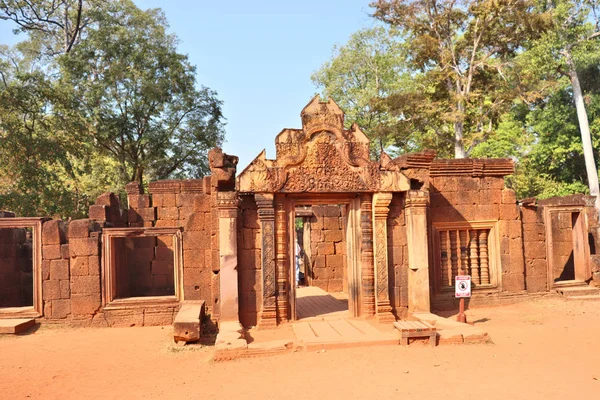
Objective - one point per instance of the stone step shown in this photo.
(187, 324)
(590, 297)
(15, 325)
(579, 291)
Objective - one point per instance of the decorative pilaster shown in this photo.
(366, 250)
(381, 201)
(227, 204)
(281, 258)
(418, 253)
(266, 216)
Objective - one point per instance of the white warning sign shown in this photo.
(463, 286)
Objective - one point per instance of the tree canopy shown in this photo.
(484, 78)
(97, 95)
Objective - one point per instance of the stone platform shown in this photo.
(15, 325)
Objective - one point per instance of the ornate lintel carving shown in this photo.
(322, 157)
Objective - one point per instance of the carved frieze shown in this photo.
(321, 157)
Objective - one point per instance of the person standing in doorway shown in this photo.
(298, 251)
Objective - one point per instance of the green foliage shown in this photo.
(460, 57)
(92, 103)
(371, 65)
(140, 97)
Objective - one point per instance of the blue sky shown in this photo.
(258, 55)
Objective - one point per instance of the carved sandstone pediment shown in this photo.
(320, 157)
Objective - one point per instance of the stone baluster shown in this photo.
(474, 259)
(483, 257)
(446, 279)
(453, 255)
(464, 252)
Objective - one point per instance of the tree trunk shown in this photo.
(584, 128)
(459, 148)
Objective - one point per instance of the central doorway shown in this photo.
(324, 273)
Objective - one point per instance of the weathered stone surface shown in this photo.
(59, 269)
(81, 228)
(51, 252)
(15, 325)
(53, 232)
(187, 324)
(83, 247)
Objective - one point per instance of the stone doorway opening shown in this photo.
(323, 269)
(20, 267)
(16, 267)
(568, 249)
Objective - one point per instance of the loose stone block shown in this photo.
(187, 324)
(16, 325)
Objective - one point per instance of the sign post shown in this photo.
(463, 289)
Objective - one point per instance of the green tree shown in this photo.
(562, 52)
(119, 103)
(461, 53)
(140, 97)
(370, 66)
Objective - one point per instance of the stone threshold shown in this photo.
(232, 341)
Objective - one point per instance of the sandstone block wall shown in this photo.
(534, 248)
(328, 269)
(463, 198)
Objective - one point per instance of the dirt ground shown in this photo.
(543, 349)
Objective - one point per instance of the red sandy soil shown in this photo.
(543, 349)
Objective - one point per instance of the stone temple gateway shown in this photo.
(383, 238)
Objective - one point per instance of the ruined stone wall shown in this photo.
(462, 199)
(190, 205)
(249, 262)
(534, 247)
(536, 242)
(397, 255)
(328, 249)
(16, 268)
(71, 255)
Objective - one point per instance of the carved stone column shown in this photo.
(227, 203)
(281, 258)
(366, 259)
(418, 254)
(266, 216)
(381, 201)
